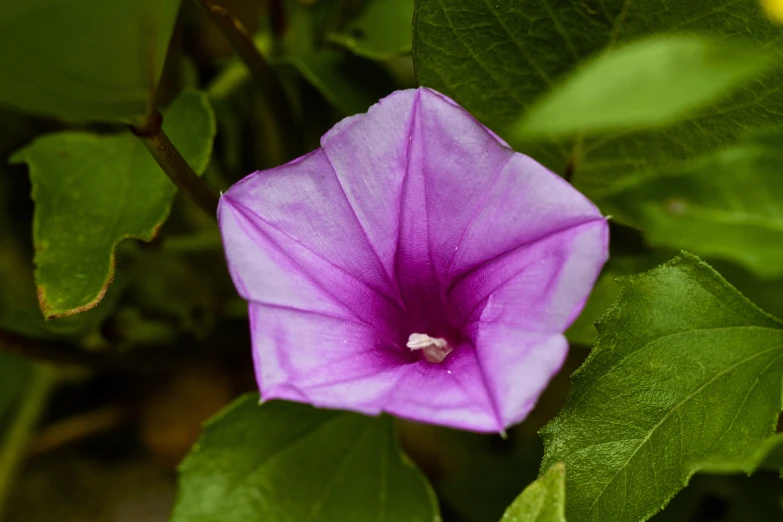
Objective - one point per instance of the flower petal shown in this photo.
(291, 239)
(335, 363)
(347, 251)
(528, 202)
(415, 168)
(369, 154)
(540, 286)
(517, 366)
(451, 393)
(308, 353)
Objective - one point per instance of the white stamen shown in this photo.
(435, 349)
(417, 341)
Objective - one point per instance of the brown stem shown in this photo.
(51, 351)
(568, 172)
(576, 158)
(77, 428)
(267, 81)
(174, 165)
(63, 353)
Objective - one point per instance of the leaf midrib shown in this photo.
(338, 470)
(675, 408)
(289, 445)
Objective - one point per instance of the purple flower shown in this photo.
(414, 264)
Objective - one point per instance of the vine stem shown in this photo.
(173, 164)
(63, 353)
(14, 445)
(244, 46)
(56, 352)
(276, 102)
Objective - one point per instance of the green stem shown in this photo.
(174, 165)
(233, 76)
(14, 444)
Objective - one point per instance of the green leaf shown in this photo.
(748, 461)
(92, 191)
(648, 83)
(84, 59)
(380, 31)
(764, 293)
(285, 461)
(686, 374)
(728, 204)
(19, 308)
(497, 58)
(541, 501)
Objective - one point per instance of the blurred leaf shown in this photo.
(497, 58)
(541, 501)
(285, 461)
(773, 9)
(686, 375)
(752, 457)
(306, 27)
(78, 487)
(14, 374)
(773, 460)
(648, 83)
(726, 499)
(84, 59)
(91, 192)
(164, 285)
(606, 290)
(380, 31)
(490, 481)
(764, 293)
(728, 204)
(349, 83)
(134, 329)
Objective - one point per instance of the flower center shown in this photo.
(434, 349)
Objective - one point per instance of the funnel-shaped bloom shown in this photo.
(414, 264)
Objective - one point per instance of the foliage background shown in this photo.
(120, 331)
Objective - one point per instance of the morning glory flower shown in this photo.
(414, 265)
